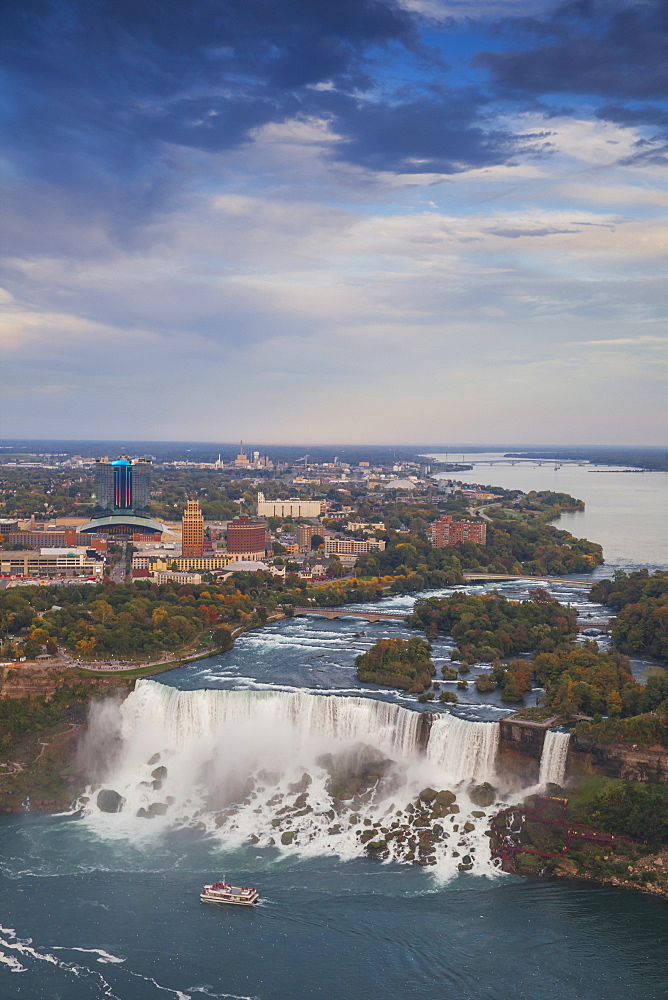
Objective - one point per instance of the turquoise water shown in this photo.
(113, 920)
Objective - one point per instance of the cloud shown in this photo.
(605, 49)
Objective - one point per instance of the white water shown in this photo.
(553, 758)
(464, 749)
(309, 773)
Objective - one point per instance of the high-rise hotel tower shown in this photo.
(122, 485)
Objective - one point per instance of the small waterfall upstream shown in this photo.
(314, 773)
(553, 758)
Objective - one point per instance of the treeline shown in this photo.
(47, 493)
(19, 716)
(641, 603)
(128, 620)
(631, 809)
(489, 626)
(576, 679)
(398, 663)
(514, 547)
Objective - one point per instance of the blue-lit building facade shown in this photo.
(122, 485)
(122, 488)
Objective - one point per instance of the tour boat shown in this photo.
(221, 892)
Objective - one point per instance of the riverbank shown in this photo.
(542, 838)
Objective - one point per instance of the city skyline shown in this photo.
(376, 221)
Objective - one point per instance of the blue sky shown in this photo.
(363, 221)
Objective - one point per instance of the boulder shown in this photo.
(469, 827)
(159, 773)
(287, 837)
(482, 795)
(302, 784)
(157, 809)
(153, 760)
(109, 801)
(443, 803)
(428, 795)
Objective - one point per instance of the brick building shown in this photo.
(306, 533)
(245, 535)
(446, 532)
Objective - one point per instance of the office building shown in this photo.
(192, 530)
(306, 533)
(52, 562)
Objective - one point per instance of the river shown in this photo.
(107, 905)
(625, 510)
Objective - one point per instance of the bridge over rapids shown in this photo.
(369, 616)
(600, 625)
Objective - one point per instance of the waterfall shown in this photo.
(464, 749)
(553, 758)
(315, 773)
(176, 717)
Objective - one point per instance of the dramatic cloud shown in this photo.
(592, 47)
(317, 220)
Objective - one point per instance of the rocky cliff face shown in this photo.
(614, 760)
(22, 681)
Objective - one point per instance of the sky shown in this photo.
(386, 221)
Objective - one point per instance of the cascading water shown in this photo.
(313, 773)
(553, 758)
(464, 749)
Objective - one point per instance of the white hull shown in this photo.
(229, 902)
(230, 894)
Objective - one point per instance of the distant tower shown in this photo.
(241, 461)
(192, 530)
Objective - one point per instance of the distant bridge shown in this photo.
(509, 578)
(369, 616)
(601, 625)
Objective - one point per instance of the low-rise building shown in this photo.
(294, 507)
(350, 546)
(66, 538)
(169, 576)
(52, 562)
(182, 564)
